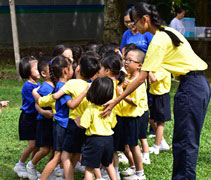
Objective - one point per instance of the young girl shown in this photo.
(44, 136)
(97, 148)
(60, 71)
(27, 121)
(74, 139)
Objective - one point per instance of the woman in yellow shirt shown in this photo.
(170, 51)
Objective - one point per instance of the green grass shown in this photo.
(11, 147)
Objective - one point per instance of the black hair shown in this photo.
(178, 10)
(59, 49)
(106, 47)
(43, 63)
(56, 65)
(91, 46)
(140, 9)
(25, 67)
(101, 91)
(140, 54)
(129, 47)
(92, 54)
(77, 52)
(127, 12)
(111, 53)
(114, 64)
(89, 66)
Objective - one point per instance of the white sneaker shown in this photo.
(79, 168)
(154, 150)
(59, 172)
(104, 174)
(164, 146)
(118, 176)
(122, 158)
(135, 177)
(31, 171)
(38, 174)
(146, 160)
(20, 171)
(60, 178)
(128, 172)
(152, 135)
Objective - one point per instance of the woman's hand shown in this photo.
(108, 108)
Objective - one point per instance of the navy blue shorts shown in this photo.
(160, 110)
(118, 135)
(74, 138)
(97, 150)
(44, 133)
(58, 136)
(144, 125)
(132, 130)
(27, 126)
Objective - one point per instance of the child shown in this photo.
(44, 136)
(97, 148)
(60, 71)
(27, 121)
(133, 112)
(160, 110)
(74, 139)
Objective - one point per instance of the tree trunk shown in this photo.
(113, 20)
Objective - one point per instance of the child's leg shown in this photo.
(74, 159)
(40, 154)
(111, 172)
(51, 165)
(89, 173)
(97, 173)
(27, 151)
(66, 162)
(137, 157)
(116, 161)
(159, 133)
(153, 124)
(145, 145)
(129, 155)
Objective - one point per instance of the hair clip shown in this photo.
(51, 62)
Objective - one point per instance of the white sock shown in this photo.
(146, 155)
(117, 169)
(20, 163)
(140, 173)
(31, 164)
(156, 147)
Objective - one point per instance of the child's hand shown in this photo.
(77, 121)
(48, 114)
(119, 90)
(4, 103)
(124, 84)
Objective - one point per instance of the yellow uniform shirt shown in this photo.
(47, 101)
(74, 88)
(163, 83)
(95, 124)
(144, 98)
(162, 54)
(129, 110)
(117, 108)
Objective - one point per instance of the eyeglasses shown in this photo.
(136, 21)
(130, 60)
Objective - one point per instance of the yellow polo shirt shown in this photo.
(48, 101)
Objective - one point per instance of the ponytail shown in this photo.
(121, 77)
(51, 72)
(142, 9)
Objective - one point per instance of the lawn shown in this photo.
(11, 147)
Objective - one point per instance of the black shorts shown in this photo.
(58, 136)
(44, 133)
(118, 135)
(74, 138)
(144, 125)
(27, 126)
(161, 109)
(97, 150)
(132, 130)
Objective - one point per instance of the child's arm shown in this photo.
(46, 113)
(58, 94)
(127, 99)
(152, 77)
(36, 94)
(78, 121)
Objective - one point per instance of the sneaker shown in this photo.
(31, 171)
(154, 150)
(38, 174)
(20, 171)
(128, 172)
(60, 178)
(79, 168)
(118, 176)
(152, 135)
(122, 158)
(146, 160)
(59, 172)
(104, 174)
(135, 177)
(164, 146)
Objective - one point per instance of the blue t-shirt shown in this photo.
(62, 110)
(28, 102)
(44, 90)
(142, 41)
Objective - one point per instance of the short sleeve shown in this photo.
(46, 101)
(67, 88)
(63, 100)
(123, 42)
(86, 118)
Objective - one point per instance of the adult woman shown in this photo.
(170, 51)
(177, 23)
(132, 36)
